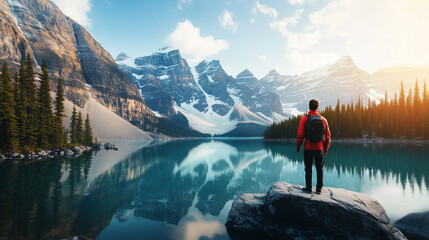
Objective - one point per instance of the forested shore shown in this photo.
(30, 120)
(404, 117)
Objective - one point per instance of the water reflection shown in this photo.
(184, 189)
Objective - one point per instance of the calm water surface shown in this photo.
(184, 189)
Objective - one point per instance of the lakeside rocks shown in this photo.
(415, 224)
(286, 212)
(57, 153)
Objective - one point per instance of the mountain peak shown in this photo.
(208, 67)
(122, 57)
(245, 74)
(344, 61)
(273, 72)
(167, 49)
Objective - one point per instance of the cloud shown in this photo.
(77, 10)
(183, 2)
(282, 25)
(302, 62)
(295, 2)
(227, 22)
(263, 57)
(264, 9)
(374, 33)
(188, 39)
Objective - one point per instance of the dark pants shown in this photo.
(308, 161)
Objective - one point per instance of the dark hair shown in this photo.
(314, 104)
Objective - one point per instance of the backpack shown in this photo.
(315, 131)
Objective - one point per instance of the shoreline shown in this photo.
(55, 154)
(362, 140)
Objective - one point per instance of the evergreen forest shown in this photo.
(404, 116)
(30, 119)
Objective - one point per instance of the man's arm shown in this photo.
(327, 141)
(301, 133)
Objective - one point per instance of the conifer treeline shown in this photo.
(28, 119)
(405, 116)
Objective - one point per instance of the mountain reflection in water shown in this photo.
(184, 189)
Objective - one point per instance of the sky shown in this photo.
(291, 36)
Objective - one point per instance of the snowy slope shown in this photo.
(341, 80)
(106, 124)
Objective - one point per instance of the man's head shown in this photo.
(314, 104)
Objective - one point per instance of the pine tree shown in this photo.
(45, 115)
(21, 109)
(79, 128)
(59, 136)
(31, 105)
(73, 123)
(88, 132)
(416, 100)
(8, 131)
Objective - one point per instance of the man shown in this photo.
(315, 130)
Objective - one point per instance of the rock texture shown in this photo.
(213, 80)
(286, 212)
(415, 225)
(41, 29)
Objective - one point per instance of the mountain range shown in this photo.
(161, 93)
(210, 100)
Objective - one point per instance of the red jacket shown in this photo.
(323, 145)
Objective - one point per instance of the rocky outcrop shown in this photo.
(41, 29)
(286, 212)
(415, 224)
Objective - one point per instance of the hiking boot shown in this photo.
(318, 191)
(307, 190)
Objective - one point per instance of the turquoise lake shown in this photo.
(183, 190)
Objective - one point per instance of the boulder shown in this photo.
(109, 146)
(42, 153)
(98, 146)
(68, 153)
(286, 212)
(415, 225)
(15, 155)
(77, 150)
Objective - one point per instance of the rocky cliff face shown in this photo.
(40, 28)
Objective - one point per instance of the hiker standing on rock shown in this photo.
(315, 130)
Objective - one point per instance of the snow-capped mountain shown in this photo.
(389, 79)
(211, 100)
(214, 81)
(342, 80)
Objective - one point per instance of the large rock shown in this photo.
(286, 212)
(415, 224)
(77, 151)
